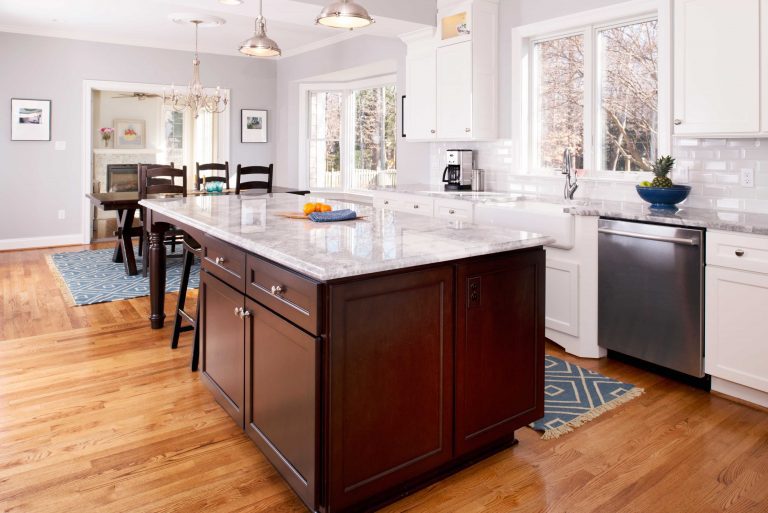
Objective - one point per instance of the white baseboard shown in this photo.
(741, 392)
(41, 242)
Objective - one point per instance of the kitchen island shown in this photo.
(366, 358)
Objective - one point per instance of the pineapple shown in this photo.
(661, 168)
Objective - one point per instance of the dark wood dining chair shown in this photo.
(215, 176)
(159, 179)
(254, 184)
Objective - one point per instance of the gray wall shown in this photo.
(412, 158)
(54, 69)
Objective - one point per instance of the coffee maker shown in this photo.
(458, 173)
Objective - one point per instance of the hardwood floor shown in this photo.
(97, 413)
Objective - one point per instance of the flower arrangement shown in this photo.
(106, 134)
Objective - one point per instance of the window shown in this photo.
(596, 91)
(174, 136)
(351, 137)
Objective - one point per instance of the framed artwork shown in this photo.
(130, 134)
(30, 120)
(253, 126)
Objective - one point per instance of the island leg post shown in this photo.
(157, 275)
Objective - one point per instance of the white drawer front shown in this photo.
(458, 210)
(738, 251)
(417, 205)
(389, 203)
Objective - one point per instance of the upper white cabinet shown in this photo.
(451, 75)
(717, 66)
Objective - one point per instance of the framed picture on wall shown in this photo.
(253, 126)
(130, 134)
(30, 120)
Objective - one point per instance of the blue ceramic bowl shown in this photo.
(664, 197)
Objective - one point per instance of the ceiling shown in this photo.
(146, 23)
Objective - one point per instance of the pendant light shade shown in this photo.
(344, 14)
(260, 45)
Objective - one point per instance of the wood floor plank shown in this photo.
(97, 413)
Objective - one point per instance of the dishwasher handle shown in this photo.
(674, 240)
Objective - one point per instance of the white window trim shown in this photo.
(347, 157)
(522, 38)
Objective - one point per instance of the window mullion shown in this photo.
(591, 103)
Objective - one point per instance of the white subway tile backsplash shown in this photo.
(712, 166)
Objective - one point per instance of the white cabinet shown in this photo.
(420, 84)
(411, 203)
(736, 322)
(451, 75)
(454, 91)
(717, 67)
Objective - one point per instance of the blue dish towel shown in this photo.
(335, 215)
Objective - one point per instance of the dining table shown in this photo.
(126, 204)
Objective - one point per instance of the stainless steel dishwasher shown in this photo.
(650, 299)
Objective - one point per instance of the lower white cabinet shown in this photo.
(736, 298)
(411, 203)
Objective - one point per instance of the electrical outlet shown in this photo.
(62, 214)
(747, 177)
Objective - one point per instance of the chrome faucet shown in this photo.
(570, 176)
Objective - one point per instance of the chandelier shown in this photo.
(195, 98)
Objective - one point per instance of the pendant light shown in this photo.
(260, 45)
(344, 14)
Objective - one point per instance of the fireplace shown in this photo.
(122, 177)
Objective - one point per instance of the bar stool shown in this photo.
(191, 249)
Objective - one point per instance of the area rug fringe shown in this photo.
(551, 434)
(68, 298)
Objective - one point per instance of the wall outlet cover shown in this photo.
(747, 177)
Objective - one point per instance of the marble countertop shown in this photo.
(383, 240)
(734, 221)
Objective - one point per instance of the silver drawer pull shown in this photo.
(678, 122)
(220, 260)
(432, 131)
(244, 313)
(415, 206)
(386, 202)
(277, 290)
(739, 252)
(237, 311)
(451, 211)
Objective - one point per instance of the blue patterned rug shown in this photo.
(92, 277)
(574, 395)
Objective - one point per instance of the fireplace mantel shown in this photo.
(114, 151)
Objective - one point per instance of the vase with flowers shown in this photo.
(106, 135)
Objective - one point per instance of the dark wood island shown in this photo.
(368, 358)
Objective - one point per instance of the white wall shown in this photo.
(54, 69)
(412, 158)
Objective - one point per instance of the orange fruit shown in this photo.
(325, 208)
(318, 207)
(309, 208)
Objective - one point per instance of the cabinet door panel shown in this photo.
(222, 339)
(736, 327)
(717, 66)
(282, 391)
(454, 91)
(399, 360)
(420, 120)
(499, 348)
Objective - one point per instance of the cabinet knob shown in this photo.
(237, 311)
(415, 206)
(244, 313)
(451, 211)
(467, 130)
(739, 252)
(277, 290)
(433, 131)
(220, 260)
(386, 202)
(678, 122)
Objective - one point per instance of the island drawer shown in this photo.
(291, 295)
(224, 261)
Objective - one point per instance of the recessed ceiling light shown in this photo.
(231, 2)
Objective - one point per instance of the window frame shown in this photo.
(588, 24)
(346, 140)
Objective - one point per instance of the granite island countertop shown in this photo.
(382, 240)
